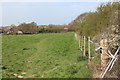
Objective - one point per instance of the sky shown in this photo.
(43, 13)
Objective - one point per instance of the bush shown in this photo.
(95, 22)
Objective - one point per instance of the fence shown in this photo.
(107, 58)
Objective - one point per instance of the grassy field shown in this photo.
(51, 55)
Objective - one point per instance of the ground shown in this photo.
(49, 55)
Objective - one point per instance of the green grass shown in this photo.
(51, 55)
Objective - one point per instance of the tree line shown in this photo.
(105, 16)
(33, 28)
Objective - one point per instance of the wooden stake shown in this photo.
(84, 48)
(79, 44)
(89, 47)
(104, 56)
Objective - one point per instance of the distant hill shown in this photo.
(79, 19)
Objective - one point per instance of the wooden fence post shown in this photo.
(84, 48)
(104, 56)
(79, 44)
(89, 47)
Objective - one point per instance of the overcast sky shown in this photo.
(43, 13)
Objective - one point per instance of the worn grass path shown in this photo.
(52, 55)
